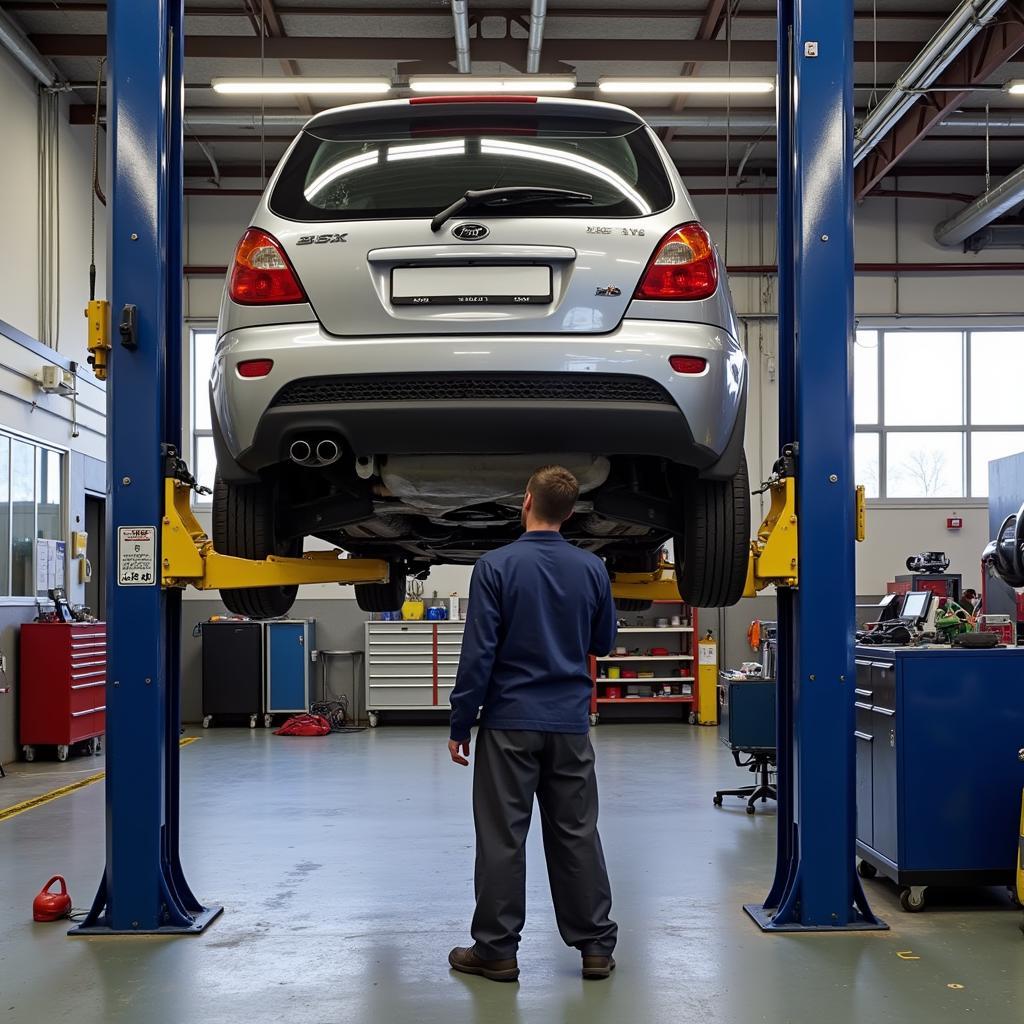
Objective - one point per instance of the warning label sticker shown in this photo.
(136, 556)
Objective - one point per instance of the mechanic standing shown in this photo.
(537, 608)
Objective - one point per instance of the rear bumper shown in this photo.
(391, 395)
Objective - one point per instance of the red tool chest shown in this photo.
(62, 684)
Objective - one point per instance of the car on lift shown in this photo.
(436, 296)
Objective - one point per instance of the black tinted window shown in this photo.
(417, 166)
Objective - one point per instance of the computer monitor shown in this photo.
(888, 607)
(916, 605)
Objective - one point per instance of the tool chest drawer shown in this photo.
(62, 684)
(411, 666)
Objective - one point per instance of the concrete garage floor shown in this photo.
(345, 866)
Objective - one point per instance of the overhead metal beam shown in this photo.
(18, 45)
(710, 23)
(991, 48)
(494, 11)
(508, 51)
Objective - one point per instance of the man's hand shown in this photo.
(454, 746)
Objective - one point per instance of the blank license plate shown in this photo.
(470, 286)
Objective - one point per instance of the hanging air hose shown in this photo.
(1004, 556)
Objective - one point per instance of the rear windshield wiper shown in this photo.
(507, 196)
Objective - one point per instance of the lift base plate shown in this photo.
(764, 919)
(201, 922)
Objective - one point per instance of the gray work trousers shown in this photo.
(510, 768)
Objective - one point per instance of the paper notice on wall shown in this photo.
(50, 555)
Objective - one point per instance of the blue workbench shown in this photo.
(939, 779)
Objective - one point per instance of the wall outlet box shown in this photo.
(55, 380)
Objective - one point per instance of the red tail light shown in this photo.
(254, 367)
(261, 274)
(688, 364)
(683, 266)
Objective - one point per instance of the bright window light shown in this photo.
(528, 151)
(1015, 87)
(527, 84)
(674, 86)
(339, 170)
(418, 151)
(301, 86)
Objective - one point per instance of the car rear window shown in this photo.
(418, 165)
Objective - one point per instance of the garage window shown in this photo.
(933, 407)
(203, 462)
(32, 508)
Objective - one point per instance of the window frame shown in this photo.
(192, 432)
(966, 429)
(37, 443)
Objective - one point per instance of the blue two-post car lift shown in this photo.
(143, 890)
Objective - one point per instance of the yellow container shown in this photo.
(614, 672)
(413, 611)
(707, 681)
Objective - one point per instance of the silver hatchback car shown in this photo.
(436, 296)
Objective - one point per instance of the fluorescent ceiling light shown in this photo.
(1015, 87)
(674, 86)
(527, 84)
(301, 86)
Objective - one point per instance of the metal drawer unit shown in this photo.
(63, 686)
(938, 733)
(410, 666)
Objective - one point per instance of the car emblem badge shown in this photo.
(470, 232)
(608, 290)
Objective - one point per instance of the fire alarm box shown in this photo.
(954, 522)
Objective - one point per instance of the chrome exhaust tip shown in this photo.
(327, 452)
(300, 452)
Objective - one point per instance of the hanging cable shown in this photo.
(263, 100)
(873, 98)
(988, 152)
(730, 9)
(97, 191)
(48, 216)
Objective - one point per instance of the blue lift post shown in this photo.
(143, 890)
(816, 887)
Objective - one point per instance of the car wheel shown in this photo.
(383, 597)
(639, 561)
(244, 526)
(712, 554)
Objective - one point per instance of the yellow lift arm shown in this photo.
(189, 559)
(774, 556)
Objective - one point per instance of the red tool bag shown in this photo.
(304, 725)
(52, 906)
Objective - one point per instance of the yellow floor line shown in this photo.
(55, 794)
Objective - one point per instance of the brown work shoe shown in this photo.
(464, 959)
(597, 967)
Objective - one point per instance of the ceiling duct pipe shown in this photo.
(985, 209)
(460, 20)
(538, 12)
(969, 18)
(252, 122)
(26, 54)
(996, 236)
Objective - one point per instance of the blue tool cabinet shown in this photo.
(289, 653)
(940, 740)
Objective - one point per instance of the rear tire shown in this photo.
(244, 521)
(383, 597)
(639, 561)
(712, 554)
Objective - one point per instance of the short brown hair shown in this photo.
(554, 491)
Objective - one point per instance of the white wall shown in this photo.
(19, 282)
(886, 230)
